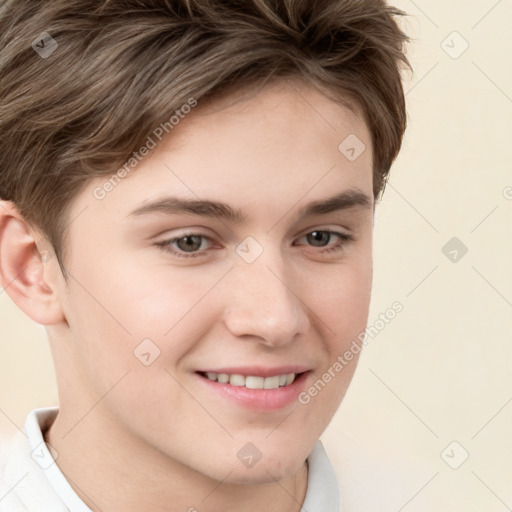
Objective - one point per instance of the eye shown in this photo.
(189, 245)
(319, 238)
(326, 239)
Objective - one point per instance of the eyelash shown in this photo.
(166, 246)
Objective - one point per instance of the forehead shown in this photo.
(291, 107)
(266, 149)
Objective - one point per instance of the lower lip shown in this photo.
(259, 399)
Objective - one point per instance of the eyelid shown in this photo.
(337, 230)
(178, 232)
(340, 234)
(185, 235)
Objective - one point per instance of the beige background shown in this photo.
(440, 371)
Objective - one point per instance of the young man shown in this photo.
(188, 191)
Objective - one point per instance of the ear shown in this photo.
(25, 260)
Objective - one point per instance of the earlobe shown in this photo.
(23, 272)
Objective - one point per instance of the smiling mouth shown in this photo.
(252, 381)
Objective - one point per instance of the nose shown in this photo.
(263, 304)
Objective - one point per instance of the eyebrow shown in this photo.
(351, 198)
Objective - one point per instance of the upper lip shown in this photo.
(257, 371)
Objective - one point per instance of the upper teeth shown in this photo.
(253, 382)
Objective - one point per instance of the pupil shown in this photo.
(189, 243)
(319, 238)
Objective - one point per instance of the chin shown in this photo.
(265, 470)
(261, 474)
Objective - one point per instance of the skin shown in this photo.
(161, 439)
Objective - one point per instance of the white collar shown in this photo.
(322, 494)
(37, 422)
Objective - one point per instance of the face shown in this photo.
(214, 288)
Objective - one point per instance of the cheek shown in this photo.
(341, 298)
(124, 306)
(168, 302)
(342, 311)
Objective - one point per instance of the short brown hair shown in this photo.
(123, 67)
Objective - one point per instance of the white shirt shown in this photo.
(31, 481)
